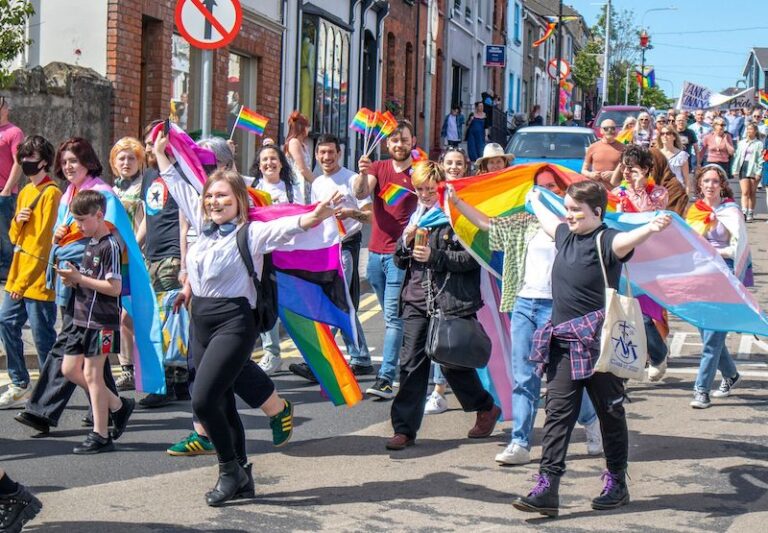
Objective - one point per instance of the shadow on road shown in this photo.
(122, 527)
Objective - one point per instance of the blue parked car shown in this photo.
(562, 145)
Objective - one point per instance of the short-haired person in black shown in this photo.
(568, 344)
(223, 329)
(97, 284)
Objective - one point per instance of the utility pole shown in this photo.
(559, 60)
(607, 50)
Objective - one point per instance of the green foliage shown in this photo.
(655, 97)
(586, 67)
(13, 19)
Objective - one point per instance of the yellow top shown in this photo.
(27, 273)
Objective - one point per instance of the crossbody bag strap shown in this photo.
(40, 195)
(245, 254)
(599, 241)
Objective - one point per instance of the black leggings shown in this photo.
(223, 336)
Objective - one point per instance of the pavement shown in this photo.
(691, 470)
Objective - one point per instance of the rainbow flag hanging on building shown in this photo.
(646, 78)
(250, 120)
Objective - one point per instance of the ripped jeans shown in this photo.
(562, 407)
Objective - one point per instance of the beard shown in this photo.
(400, 158)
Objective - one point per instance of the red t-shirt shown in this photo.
(389, 221)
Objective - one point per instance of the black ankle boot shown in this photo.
(249, 490)
(615, 492)
(233, 482)
(544, 498)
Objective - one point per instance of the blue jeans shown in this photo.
(270, 341)
(657, 348)
(438, 378)
(7, 210)
(386, 279)
(358, 356)
(714, 357)
(528, 315)
(13, 315)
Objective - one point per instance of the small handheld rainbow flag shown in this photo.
(625, 137)
(250, 120)
(417, 154)
(763, 98)
(393, 194)
(362, 121)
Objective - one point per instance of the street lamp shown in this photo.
(645, 44)
(642, 20)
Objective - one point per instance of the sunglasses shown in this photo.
(609, 128)
(667, 133)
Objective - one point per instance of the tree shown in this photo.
(13, 20)
(586, 67)
(625, 50)
(655, 97)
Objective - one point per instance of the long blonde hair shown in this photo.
(236, 183)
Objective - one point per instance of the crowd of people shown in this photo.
(61, 253)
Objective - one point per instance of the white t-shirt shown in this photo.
(277, 191)
(539, 259)
(324, 186)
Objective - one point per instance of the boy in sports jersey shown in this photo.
(95, 321)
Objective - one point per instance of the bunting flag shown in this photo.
(138, 297)
(251, 121)
(646, 78)
(763, 97)
(393, 194)
(679, 270)
(551, 26)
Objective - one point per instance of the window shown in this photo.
(240, 81)
(457, 6)
(468, 10)
(324, 79)
(516, 33)
(183, 90)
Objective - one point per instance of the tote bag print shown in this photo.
(623, 346)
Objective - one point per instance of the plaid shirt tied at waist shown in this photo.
(583, 336)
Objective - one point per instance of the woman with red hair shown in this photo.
(298, 151)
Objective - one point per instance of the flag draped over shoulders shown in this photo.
(138, 297)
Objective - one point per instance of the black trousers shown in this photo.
(223, 337)
(408, 405)
(52, 390)
(562, 408)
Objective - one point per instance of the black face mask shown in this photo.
(30, 168)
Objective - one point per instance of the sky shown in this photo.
(703, 41)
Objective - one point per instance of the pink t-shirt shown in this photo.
(10, 139)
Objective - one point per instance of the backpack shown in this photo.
(265, 313)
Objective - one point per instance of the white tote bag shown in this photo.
(623, 346)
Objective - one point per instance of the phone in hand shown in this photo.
(166, 126)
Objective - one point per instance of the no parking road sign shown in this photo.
(209, 24)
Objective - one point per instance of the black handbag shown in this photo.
(458, 342)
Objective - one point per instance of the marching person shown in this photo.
(727, 233)
(566, 345)
(440, 274)
(494, 159)
(748, 167)
(27, 298)
(603, 155)
(223, 296)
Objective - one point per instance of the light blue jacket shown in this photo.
(754, 164)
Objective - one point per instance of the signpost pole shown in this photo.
(560, 78)
(205, 93)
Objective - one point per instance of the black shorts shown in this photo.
(90, 342)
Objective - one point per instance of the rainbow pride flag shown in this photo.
(363, 121)
(763, 98)
(393, 194)
(250, 120)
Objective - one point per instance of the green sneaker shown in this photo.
(195, 444)
(282, 425)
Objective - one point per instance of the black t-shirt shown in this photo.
(94, 310)
(577, 281)
(162, 239)
(687, 139)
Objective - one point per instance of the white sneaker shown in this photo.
(655, 373)
(514, 454)
(15, 397)
(271, 363)
(436, 404)
(594, 438)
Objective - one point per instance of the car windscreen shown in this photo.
(617, 116)
(550, 145)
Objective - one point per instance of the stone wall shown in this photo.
(59, 101)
